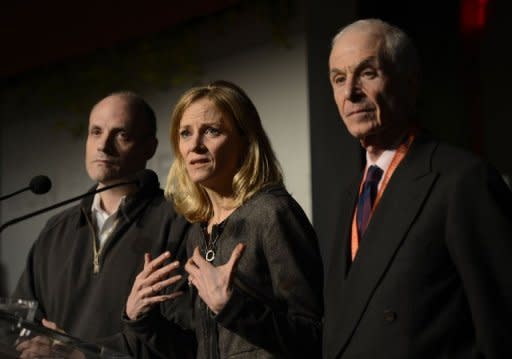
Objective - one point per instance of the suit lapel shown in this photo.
(337, 261)
(336, 268)
(399, 206)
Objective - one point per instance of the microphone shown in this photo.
(38, 185)
(145, 180)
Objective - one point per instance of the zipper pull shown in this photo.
(96, 264)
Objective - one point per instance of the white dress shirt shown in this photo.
(105, 223)
(383, 162)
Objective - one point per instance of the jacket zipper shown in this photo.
(96, 252)
(96, 264)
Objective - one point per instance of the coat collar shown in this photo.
(130, 208)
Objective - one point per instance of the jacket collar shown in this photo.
(129, 210)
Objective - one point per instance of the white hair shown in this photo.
(398, 48)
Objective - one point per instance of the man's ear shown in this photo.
(151, 146)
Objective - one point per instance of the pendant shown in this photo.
(210, 255)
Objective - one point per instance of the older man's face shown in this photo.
(363, 91)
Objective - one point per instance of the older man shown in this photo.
(421, 267)
(83, 265)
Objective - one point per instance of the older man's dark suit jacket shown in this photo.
(433, 274)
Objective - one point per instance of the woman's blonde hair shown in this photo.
(259, 166)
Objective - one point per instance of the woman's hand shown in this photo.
(148, 284)
(213, 283)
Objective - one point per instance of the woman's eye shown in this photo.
(212, 131)
(184, 133)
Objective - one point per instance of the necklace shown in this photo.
(210, 239)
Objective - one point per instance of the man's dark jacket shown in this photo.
(432, 276)
(60, 272)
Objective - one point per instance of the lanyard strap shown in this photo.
(399, 155)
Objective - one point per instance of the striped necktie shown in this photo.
(367, 198)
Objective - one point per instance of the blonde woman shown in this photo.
(254, 267)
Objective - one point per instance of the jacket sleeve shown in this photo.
(27, 284)
(164, 332)
(479, 238)
(155, 337)
(289, 324)
(25, 288)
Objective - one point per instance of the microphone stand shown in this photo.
(14, 193)
(16, 220)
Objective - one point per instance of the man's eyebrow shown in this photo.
(335, 71)
(369, 61)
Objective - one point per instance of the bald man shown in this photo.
(83, 265)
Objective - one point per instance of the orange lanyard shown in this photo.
(399, 155)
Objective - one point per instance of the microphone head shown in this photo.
(147, 180)
(40, 184)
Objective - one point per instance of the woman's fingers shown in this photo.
(147, 303)
(149, 283)
(235, 256)
(213, 283)
(191, 266)
(164, 271)
(152, 265)
(166, 282)
(155, 288)
(147, 280)
(198, 259)
(147, 259)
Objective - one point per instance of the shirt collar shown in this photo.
(383, 161)
(96, 205)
